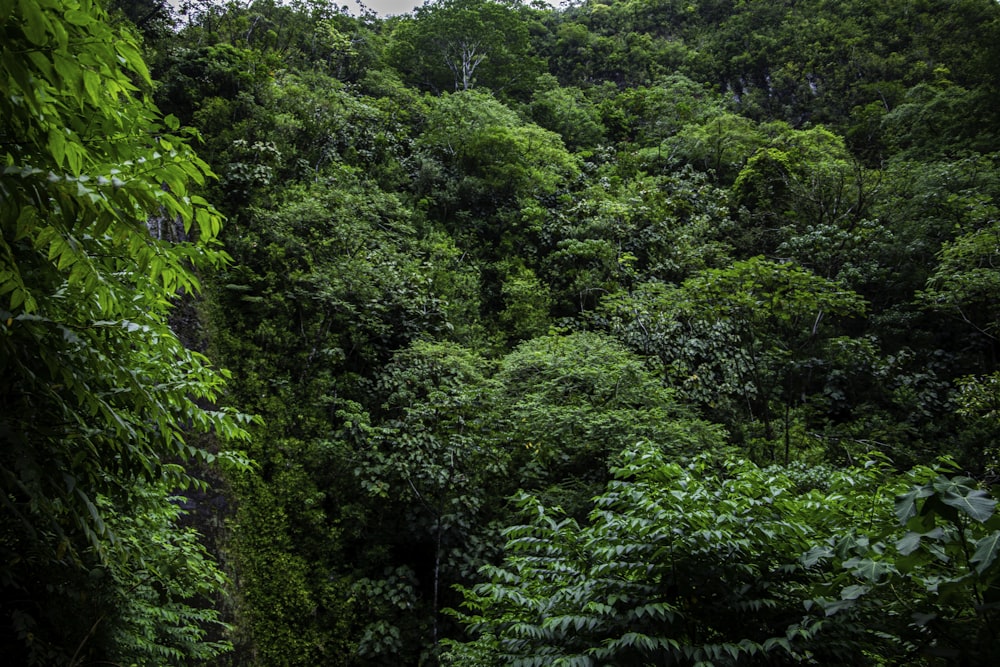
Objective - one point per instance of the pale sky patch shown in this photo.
(397, 7)
(388, 7)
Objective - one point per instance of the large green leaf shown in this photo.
(911, 541)
(987, 550)
(906, 504)
(868, 569)
(975, 502)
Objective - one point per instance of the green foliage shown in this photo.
(617, 232)
(100, 395)
(737, 338)
(455, 44)
(528, 303)
(684, 563)
(352, 275)
(715, 565)
(144, 597)
(784, 213)
(931, 584)
(291, 611)
(965, 280)
(162, 575)
(979, 396)
(428, 472)
(567, 404)
(721, 145)
(654, 113)
(479, 156)
(567, 112)
(326, 286)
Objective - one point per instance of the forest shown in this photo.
(621, 332)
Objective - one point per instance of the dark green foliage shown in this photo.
(479, 161)
(930, 586)
(769, 319)
(309, 320)
(702, 564)
(489, 247)
(616, 232)
(675, 564)
(431, 481)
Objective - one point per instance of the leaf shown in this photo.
(57, 145)
(92, 84)
(854, 592)
(911, 541)
(867, 569)
(815, 555)
(134, 61)
(908, 543)
(987, 550)
(36, 24)
(77, 17)
(906, 504)
(772, 642)
(933, 508)
(68, 70)
(17, 298)
(977, 503)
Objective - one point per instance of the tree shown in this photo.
(616, 232)
(479, 162)
(676, 563)
(463, 43)
(721, 144)
(965, 282)
(567, 112)
(436, 482)
(153, 18)
(724, 563)
(102, 405)
(565, 405)
(737, 338)
(327, 284)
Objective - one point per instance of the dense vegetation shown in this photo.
(647, 332)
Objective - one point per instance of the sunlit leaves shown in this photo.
(101, 398)
(162, 572)
(492, 157)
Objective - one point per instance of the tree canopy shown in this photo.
(622, 332)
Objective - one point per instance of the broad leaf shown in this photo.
(976, 503)
(911, 541)
(854, 592)
(815, 555)
(906, 504)
(867, 569)
(987, 550)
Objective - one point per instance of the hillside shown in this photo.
(630, 332)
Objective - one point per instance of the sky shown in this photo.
(396, 7)
(381, 7)
(388, 7)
